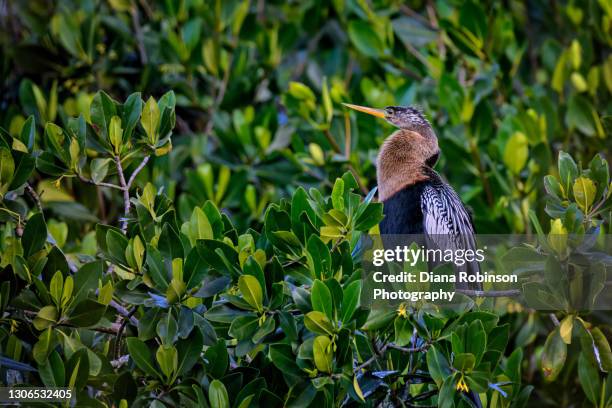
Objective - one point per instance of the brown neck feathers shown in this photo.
(403, 158)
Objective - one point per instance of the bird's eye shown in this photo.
(389, 111)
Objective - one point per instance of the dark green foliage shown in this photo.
(197, 247)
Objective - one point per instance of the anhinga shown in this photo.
(416, 199)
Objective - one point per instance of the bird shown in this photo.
(416, 199)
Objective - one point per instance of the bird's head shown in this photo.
(405, 154)
(403, 117)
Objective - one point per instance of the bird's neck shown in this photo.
(405, 158)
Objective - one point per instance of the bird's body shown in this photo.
(417, 201)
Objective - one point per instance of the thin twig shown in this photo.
(336, 147)
(34, 196)
(101, 184)
(119, 362)
(554, 319)
(380, 353)
(365, 364)
(120, 331)
(126, 194)
(123, 311)
(490, 293)
(423, 347)
(347, 135)
(139, 38)
(332, 141)
(481, 171)
(411, 13)
(144, 162)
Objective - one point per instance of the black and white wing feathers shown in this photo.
(447, 223)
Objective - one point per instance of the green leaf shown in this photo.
(371, 216)
(167, 329)
(553, 355)
(319, 257)
(46, 317)
(323, 354)
(217, 359)
(568, 171)
(28, 132)
(217, 395)
(7, 169)
(243, 327)
(565, 329)
(337, 195)
(52, 371)
(437, 365)
(132, 109)
(403, 331)
(321, 299)
(582, 115)
(150, 120)
(45, 344)
(464, 362)
(516, 152)
(55, 287)
(584, 192)
(350, 300)
(86, 279)
(327, 102)
(140, 353)
(101, 111)
(116, 133)
(157, 269)
(284, 359)
(600, 341)
(318, 322)
(189, 350)
(266, 328)
(365, 39)
(34, 235)
(198, 227)
(301, 92)
(167, 359)
(86, 313)
(476, 340)
(589, 379)
(251, 291)
(77, 369)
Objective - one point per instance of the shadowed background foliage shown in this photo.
(256, 108)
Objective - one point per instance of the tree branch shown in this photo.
(126, 194)
(123, 311)
(141, 166)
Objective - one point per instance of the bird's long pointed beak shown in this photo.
(380, 113)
